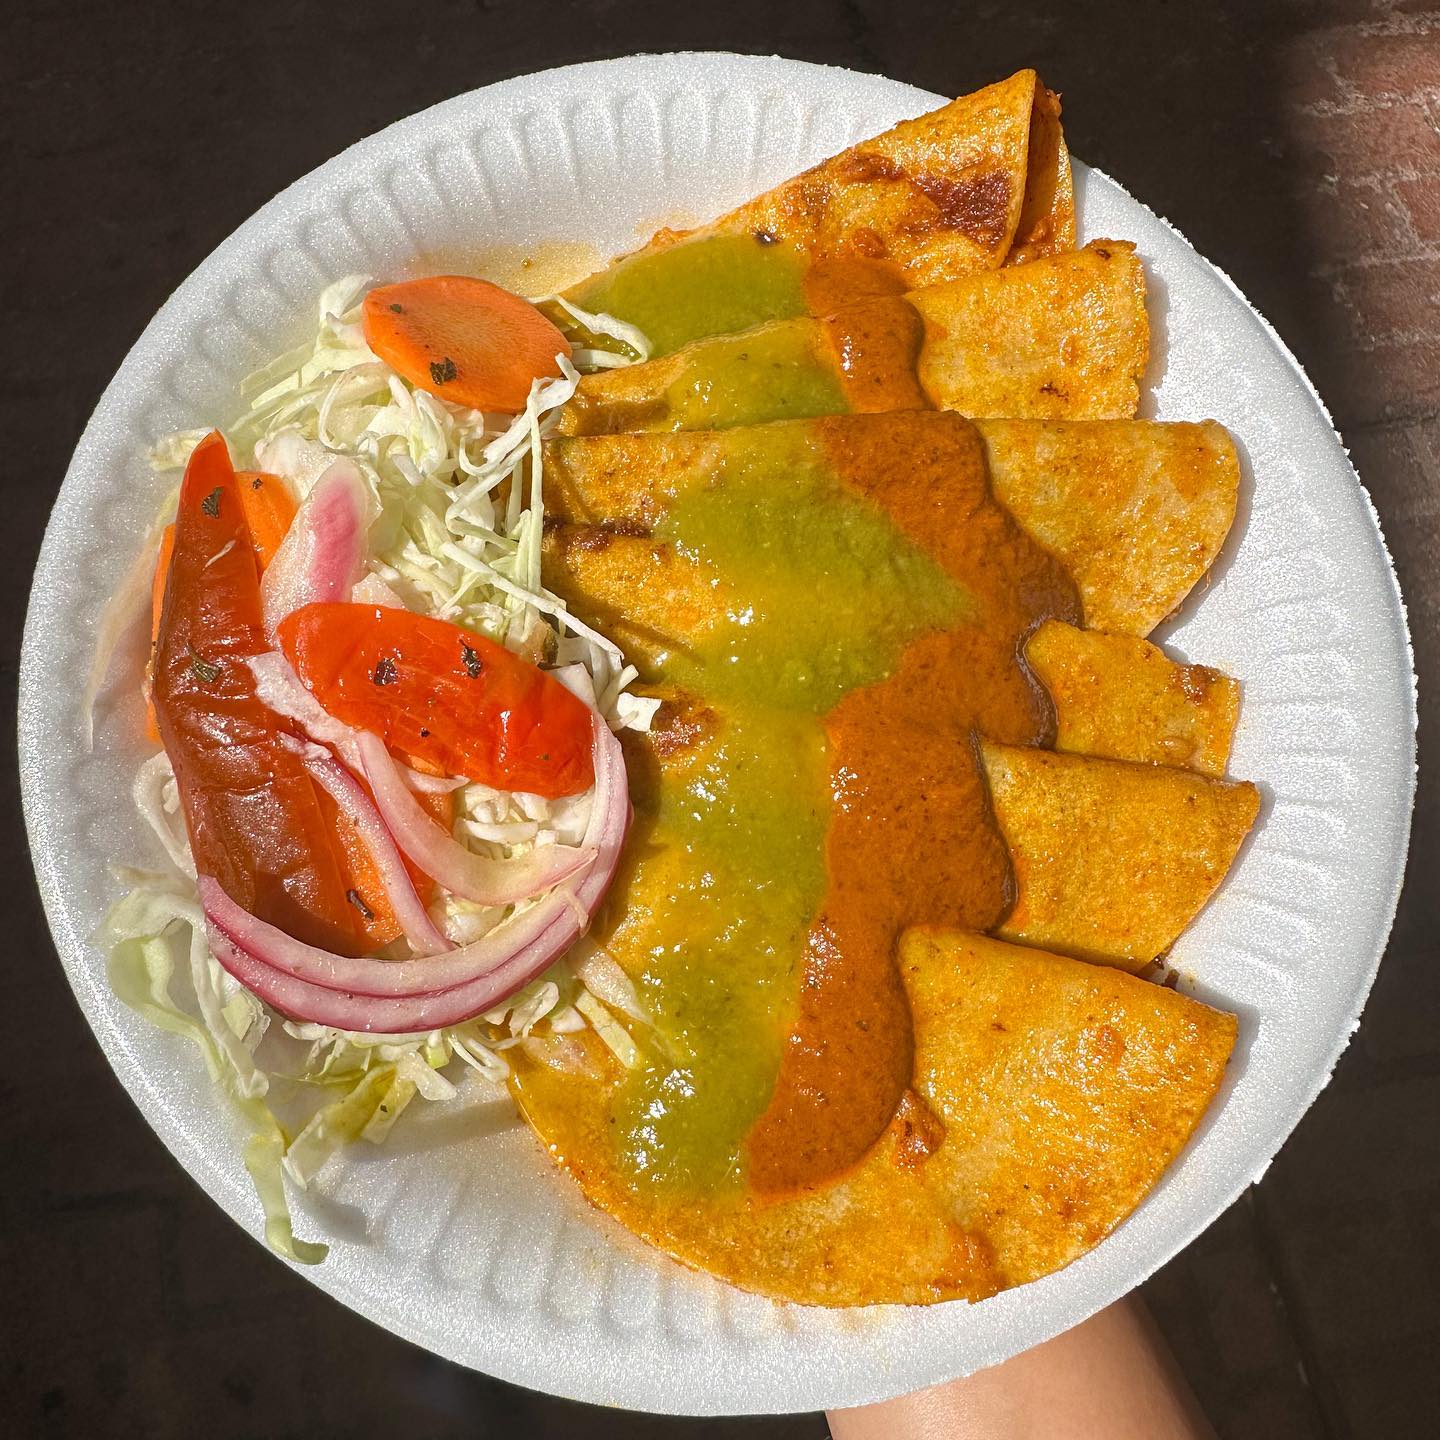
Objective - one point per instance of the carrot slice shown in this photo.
(157, 585)
(440, 807)
(363, 886)
(269, 508)
(463, 339)
(157, 606)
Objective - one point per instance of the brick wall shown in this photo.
(1365, 139)
(1311, 1310)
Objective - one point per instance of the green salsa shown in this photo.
(831, 590)
(714, 285)
(832, 594)
(770, 374)
(750, 821)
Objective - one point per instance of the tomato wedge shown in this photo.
(251, 809)
(450, 697)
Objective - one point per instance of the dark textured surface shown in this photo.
(1297, 144)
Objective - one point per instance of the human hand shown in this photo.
(1110, 1378)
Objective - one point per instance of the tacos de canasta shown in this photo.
(852, 481)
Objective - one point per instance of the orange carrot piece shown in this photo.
(439, 807)
(463, 339)
(374, 915)
(363, 885)
(157, 585)
(269, 508)
(157, 605)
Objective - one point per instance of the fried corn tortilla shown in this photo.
(1123, 698)
(638, 590)
(1135, 510)
(1047, 1096)
(1064, 337)
(967, 187)
(1115, 696)
(834, 609)
(1112, 860)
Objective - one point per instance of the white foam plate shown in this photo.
(460, 1235)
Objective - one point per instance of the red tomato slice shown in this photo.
(451, 697)
(250, 806)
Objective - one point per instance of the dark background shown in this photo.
(1297, 144)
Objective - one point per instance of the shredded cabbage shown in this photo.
(264, 1158)
(341, 1122)
(459, 501)
(598, 971)
(157, 798)
(610, 1030)
(140, 972)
